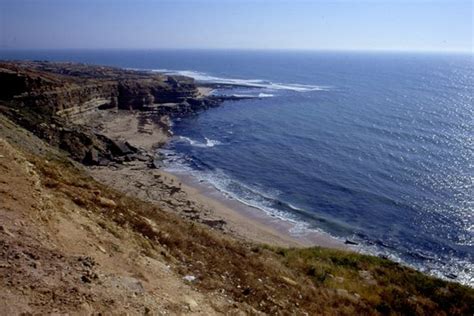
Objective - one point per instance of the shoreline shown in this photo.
(240, 214)
(182, 193)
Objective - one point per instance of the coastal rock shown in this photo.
(45, 98)
(71, 89)
(350, 242)
(120, 148)
(92, 157)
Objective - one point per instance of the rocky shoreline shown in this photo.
(148, 181)
(89, 225)
(49, 98)
(113, 121)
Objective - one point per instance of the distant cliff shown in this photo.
(45, 97)
(66, 89)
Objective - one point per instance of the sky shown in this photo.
(416, 25)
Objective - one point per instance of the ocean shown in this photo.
(373, 147)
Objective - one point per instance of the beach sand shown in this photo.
(183, 194)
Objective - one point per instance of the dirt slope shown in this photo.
(54, 256)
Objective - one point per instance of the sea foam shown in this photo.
(195, 143)
(251, 83)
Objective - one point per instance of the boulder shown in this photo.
(92, 157)
(120, 148)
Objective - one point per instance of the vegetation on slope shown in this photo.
(270, 280)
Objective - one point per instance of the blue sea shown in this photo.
(374, 147)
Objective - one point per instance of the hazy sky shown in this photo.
(257, 24)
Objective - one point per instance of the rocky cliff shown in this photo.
(45, 98)
(68, 89)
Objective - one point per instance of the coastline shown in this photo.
(251, 223)
(144, 237)
(182, 193)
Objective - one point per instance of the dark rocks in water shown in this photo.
(451, 276)
(221, 98)
(350, 242)
(383, 244)
(419, 255)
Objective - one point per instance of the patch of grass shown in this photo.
(383, 284)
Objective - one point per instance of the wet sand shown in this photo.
(252, 223)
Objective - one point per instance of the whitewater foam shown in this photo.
(236, 190)
(195, 143)
(251, 83)
(260, 95)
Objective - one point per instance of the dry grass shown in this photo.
(383, 284)
(271, 280)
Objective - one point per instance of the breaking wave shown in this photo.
(208, 142)
(250, 83)
(259, 198)
(260, 95)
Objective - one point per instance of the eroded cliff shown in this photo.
(46, 97)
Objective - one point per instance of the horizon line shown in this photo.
(368, 50)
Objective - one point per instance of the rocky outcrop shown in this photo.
(52, 93)
(80, 142)
(144, 94)
(43, 97)
(46, 97)
(61, 90)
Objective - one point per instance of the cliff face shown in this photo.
(63, 90)
(43, 97)
(140, 94)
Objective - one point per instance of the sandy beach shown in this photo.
(182, 193)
